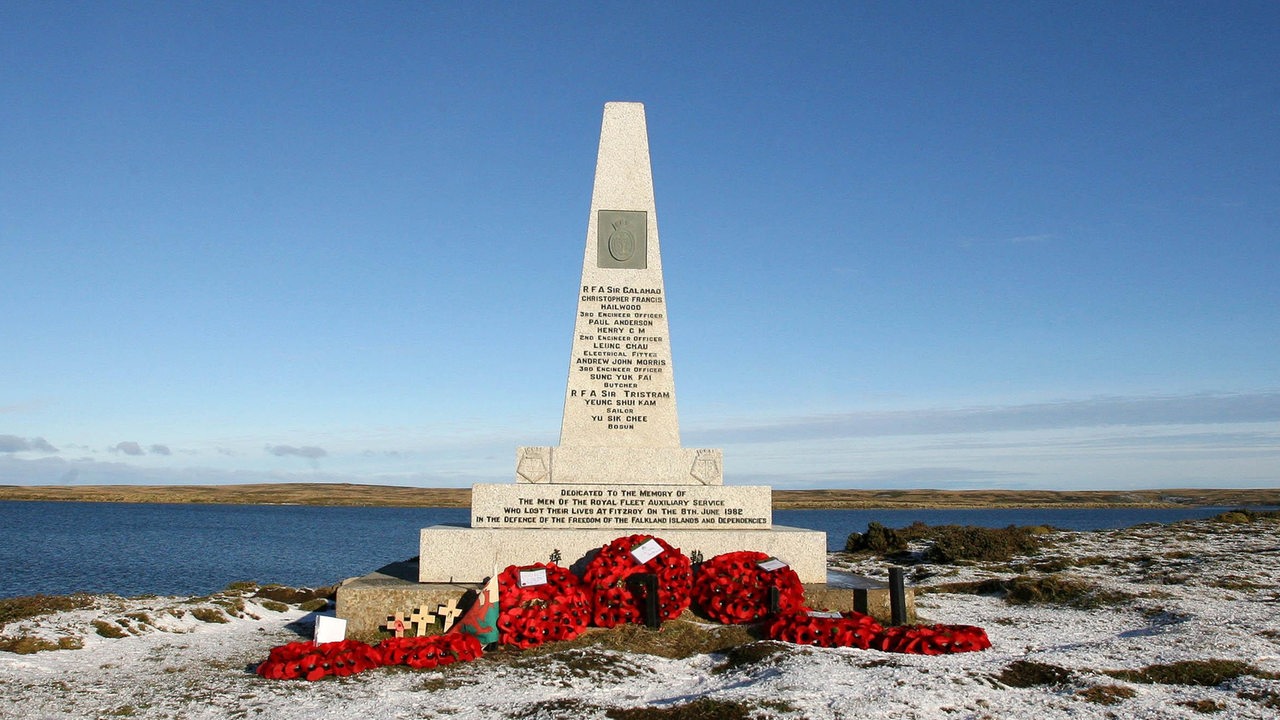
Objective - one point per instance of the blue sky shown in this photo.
(905, 244)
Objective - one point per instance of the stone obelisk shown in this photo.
(620, 423)
(619, 467)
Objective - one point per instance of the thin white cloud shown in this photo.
(128, 448)
(310, 452)
(938, 478)
(58, 471)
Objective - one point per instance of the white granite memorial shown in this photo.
(619, 468)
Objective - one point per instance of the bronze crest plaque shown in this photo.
(622, 239)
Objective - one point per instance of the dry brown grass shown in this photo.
(28, 606)
(1026, 673)
(1204, 673)
(29, 644)
(1106, 694)
(1045, 590)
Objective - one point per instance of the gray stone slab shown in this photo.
(560, 506)
(451, 553)
(367, 602)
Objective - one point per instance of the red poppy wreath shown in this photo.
(825, 629)
(309, 661)
(429, 651)
(607, 573)
(932, 639)
(540, 603)
(733, 588)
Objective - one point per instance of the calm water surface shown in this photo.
(136, 549)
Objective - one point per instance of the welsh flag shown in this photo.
(481, 619)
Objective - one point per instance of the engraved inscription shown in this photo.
(622, 350)
(623, 507)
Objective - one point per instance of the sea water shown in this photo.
(137, 549)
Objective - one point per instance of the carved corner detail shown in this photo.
(706, 469)
(534, 465)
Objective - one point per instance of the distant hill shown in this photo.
(391, 496)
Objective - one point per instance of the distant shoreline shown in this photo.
(350, 495)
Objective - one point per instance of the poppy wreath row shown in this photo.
(846, 629)
(853, 629)
(558, 609)
(733, 588)
(933, 639)
(429, 651)
(613, 602)
(308, 661)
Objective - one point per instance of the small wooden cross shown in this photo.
(448, 613)
(396, 624)
(421, 619)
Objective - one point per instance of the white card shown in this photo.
(533, 577)
(330, 629)
(771, 564)
(646, 551)
(826, 615)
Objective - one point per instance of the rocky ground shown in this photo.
(1149, 622)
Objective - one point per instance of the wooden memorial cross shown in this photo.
(422, 618)
(396, 624)
(448, 613)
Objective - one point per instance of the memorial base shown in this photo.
(451, 553)
(366, 602)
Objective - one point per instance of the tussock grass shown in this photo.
(209, 615)
(1205, 706)
(295, 596)
(558, 709)
(1026, 673)
(704, 708)
(1047, 590)
(1265, 698)
(28, 644)
(598, 665)
(1106, 694)
(109, 629)
(29, 606)
(950, 544)
(751, 654)
(1244, 516)
(1203, 673)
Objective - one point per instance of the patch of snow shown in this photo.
(1201, 590)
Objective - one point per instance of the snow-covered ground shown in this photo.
(1195, 591)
